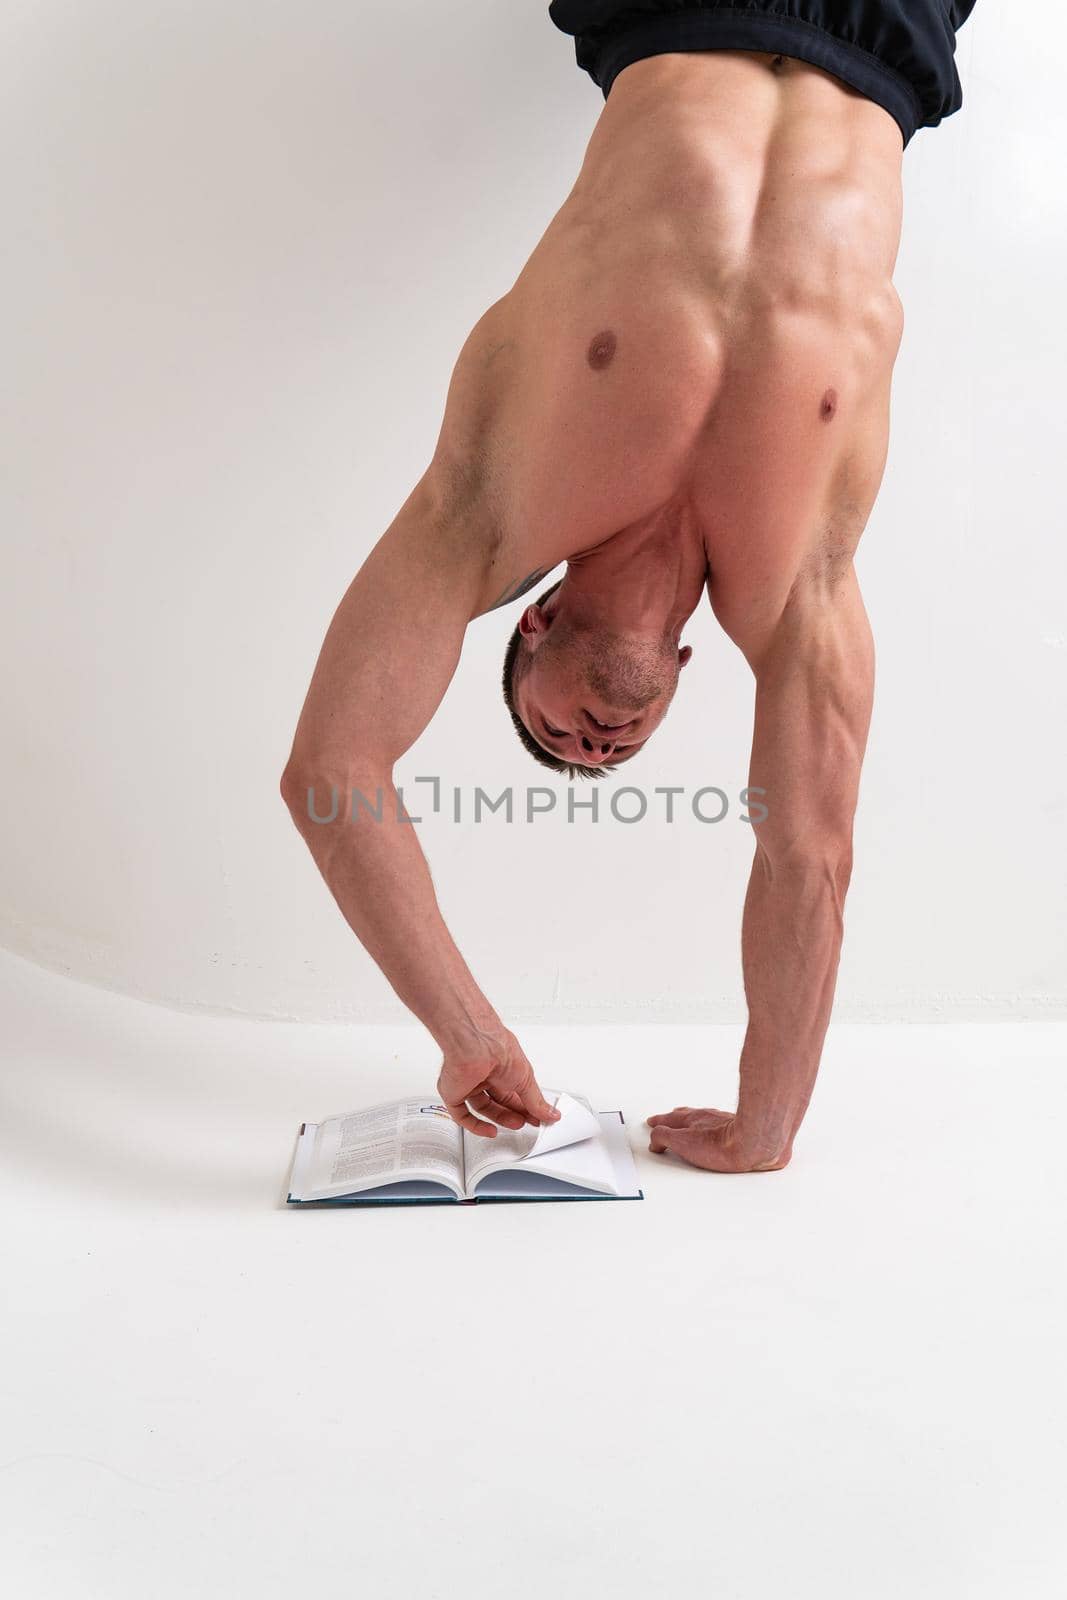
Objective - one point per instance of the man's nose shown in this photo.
(599, 748)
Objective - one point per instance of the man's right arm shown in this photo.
(387, 659)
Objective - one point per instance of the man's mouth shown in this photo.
(613, 729)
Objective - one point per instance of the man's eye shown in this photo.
(557, 733)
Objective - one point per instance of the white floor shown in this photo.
(845, 1379)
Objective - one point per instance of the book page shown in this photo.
(386, 1143)
(594, 1169)
(587, 1164)
(577, 1121)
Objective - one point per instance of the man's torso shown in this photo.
(703, 340)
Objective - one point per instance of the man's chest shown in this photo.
(762, 441)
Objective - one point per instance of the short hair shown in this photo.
(512, 658)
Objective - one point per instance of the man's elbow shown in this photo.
(315, 793)
(294, 790)
(310, 797)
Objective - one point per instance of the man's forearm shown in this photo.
(378, 875)
(814, 691)
(791, 942)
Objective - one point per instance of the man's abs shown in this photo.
(707, 326)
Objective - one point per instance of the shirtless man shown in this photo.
(687, 389)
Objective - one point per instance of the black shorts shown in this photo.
(899, 53)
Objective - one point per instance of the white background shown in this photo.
(843, 1381)
(243, 245)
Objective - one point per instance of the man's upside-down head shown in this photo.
(584, 698)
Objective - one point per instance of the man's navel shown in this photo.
(828, 405)
(601, 350)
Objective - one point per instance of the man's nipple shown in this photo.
(601, 350)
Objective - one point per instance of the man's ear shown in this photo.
(533, 622)
(683, 655)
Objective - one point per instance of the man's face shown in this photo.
(591, 698)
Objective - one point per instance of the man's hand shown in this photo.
(491, 1071)
(711, 1139)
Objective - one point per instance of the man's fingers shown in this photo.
(503, 1114)
(690, 1117)
(697, 1146)
(473, 1124)
(672, 1119)
(529, 1100)
(484, 1104)
(511, 1102)
(537, 1107)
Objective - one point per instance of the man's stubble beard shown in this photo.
(626, 674)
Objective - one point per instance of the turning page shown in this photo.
(578, 1122)
(593, 1169)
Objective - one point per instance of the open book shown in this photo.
(411, 1151)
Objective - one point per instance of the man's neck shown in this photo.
(645, 581)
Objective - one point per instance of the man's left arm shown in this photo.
(814, 687)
